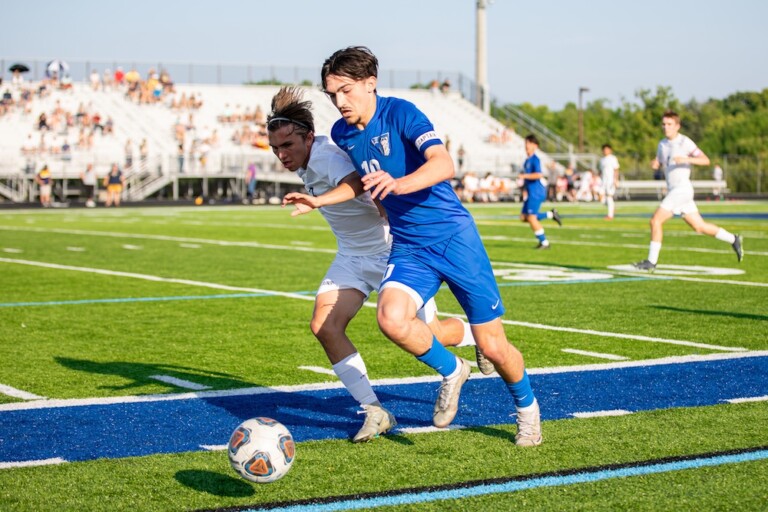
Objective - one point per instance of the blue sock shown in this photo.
(521, 391)
(541, 236)
(439, 358)
(541, 215)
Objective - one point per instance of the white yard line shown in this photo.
(28, 463)
(18, 393)
(599, 355)
(748, 399)
(600, 414)
(168, 239)
(81, 402)
(180, 382)
(368, 304)
(318, 369)
(158, 279)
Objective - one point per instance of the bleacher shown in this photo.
(455, 119)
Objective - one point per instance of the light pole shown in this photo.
(481, 57)
(582, 90)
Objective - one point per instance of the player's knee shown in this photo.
(325, 329)
(498, 350)
(392, 322)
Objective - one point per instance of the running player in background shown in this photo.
(535, 194)
(363, 242)
(404, 164)
(675, 154)
(609, 169)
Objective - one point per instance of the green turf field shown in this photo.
(95, 303)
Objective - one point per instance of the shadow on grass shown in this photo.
(214, 483)
(141, 374)
(746, 316)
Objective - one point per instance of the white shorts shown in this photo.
(361, 273)
(364, 273)
(679, 201)
(45, 190)
(610, 189)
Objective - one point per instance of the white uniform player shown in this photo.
(609, 171)
(363, 241)
(675, 154)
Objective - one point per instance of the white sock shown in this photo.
(550, 215)
(653, 252)
(725, 236)
(456, 372)
(352, 373)
(527, 409)
(469, 339)
(611, 206)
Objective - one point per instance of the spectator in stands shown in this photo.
(119, 76)
(42, 122)
(676, 154)
(143, 154)
(488, 189)
(445, 87)
(471, 184)
(584, 192)
(44, 179)
(128, 151)
(460, 154)
(114, 183)
(180, 157)
(88, 178)
(95, 80)
(29, 147)
(251, 179)
(552, 180)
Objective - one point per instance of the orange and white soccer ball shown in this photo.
(261, 450)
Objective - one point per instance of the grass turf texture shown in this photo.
(102, 349)
(331, 468)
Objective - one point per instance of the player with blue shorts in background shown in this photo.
(535, 193)
(404, 163)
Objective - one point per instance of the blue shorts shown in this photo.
(532, 204)
(461, 262)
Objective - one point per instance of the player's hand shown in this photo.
(681, 160)
(655, 164)
(380, 184)
(304, 203)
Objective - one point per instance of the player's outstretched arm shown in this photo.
(348, 188)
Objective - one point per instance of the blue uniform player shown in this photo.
(535, 193)
(403, 163)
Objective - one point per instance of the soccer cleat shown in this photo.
(486, 367)
(542, 246)
(738, 248)
(645, 265)
(529, 427)
(556, 217)
(447, 404)
(378, 420)
(608, 217)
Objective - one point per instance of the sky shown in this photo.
(538, 52)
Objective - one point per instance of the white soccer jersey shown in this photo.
(608, 165)
(677, 174)
(359, 228)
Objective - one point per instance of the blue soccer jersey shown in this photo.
(535, 188)
(394, 141)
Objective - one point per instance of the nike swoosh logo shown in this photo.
(496, 305)
(350, 148)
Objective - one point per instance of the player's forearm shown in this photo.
(343, 192)
(435, 170)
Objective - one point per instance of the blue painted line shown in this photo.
(173, 426)
(522, 485)
(142, 299)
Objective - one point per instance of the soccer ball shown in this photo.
(261, 450)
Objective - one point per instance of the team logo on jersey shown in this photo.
(382, 143)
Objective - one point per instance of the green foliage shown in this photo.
(736, 125)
